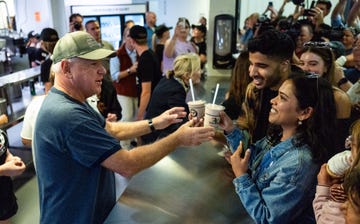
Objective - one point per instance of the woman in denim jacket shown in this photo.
(276, 177)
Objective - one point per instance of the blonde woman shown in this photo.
(171, 92)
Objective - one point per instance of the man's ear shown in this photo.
(65, 66)
(285, 67)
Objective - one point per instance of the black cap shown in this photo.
(49, 35)
(32, 34)
(200, 27)
(161, 29)
(138, 32)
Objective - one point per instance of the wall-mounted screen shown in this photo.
(138, 19)
(88, 18)
(110, 29)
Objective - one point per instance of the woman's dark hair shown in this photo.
(181, 19)
(318, 131)
(240, 77)
(327, 56)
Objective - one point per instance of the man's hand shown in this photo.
(171, 116)
(111, 117)
(188, 135)
(318, 16)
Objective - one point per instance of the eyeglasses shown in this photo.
(348, 142)
(317, 44)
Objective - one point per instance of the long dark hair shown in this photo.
(240, 78)
(318, 131)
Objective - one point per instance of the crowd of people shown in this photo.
(287, 59)
(292, 103)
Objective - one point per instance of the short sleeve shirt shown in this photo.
(70, 143)
(149, 68)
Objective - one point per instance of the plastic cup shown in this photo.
(197, 108)
(212, 115)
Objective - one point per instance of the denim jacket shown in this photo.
(283, 190)
(234, 138)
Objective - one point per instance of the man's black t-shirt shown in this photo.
(149, 68)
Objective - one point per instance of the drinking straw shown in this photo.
(216, 92)
(192, 90)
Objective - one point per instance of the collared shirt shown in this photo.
(132, 55)
(115, 64)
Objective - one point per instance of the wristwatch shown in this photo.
(128, 71)
(151, 125)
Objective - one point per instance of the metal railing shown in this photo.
(5, 31)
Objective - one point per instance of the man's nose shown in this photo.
(252, 71)
(102, 70)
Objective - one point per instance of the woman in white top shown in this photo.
(178, 44)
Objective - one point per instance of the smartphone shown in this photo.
(312, 4)
(270, 4)
(182, 23)
(307, 12)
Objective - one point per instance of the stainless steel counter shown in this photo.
(191, 185)
(11, 81)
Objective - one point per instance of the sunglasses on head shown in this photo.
(317, 44)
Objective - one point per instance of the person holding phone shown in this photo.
(178, 44)
(316, 13)
(273, 12)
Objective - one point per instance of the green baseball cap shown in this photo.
(79, 44)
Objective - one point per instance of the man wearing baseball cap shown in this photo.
(77, 151)
(148, 70)
(49, 38)
(31, 48)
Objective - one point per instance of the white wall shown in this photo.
(168, 11)
(25, 15)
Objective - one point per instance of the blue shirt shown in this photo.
(70, 144)
(247, 36)
(150, 32)
(280, 185)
